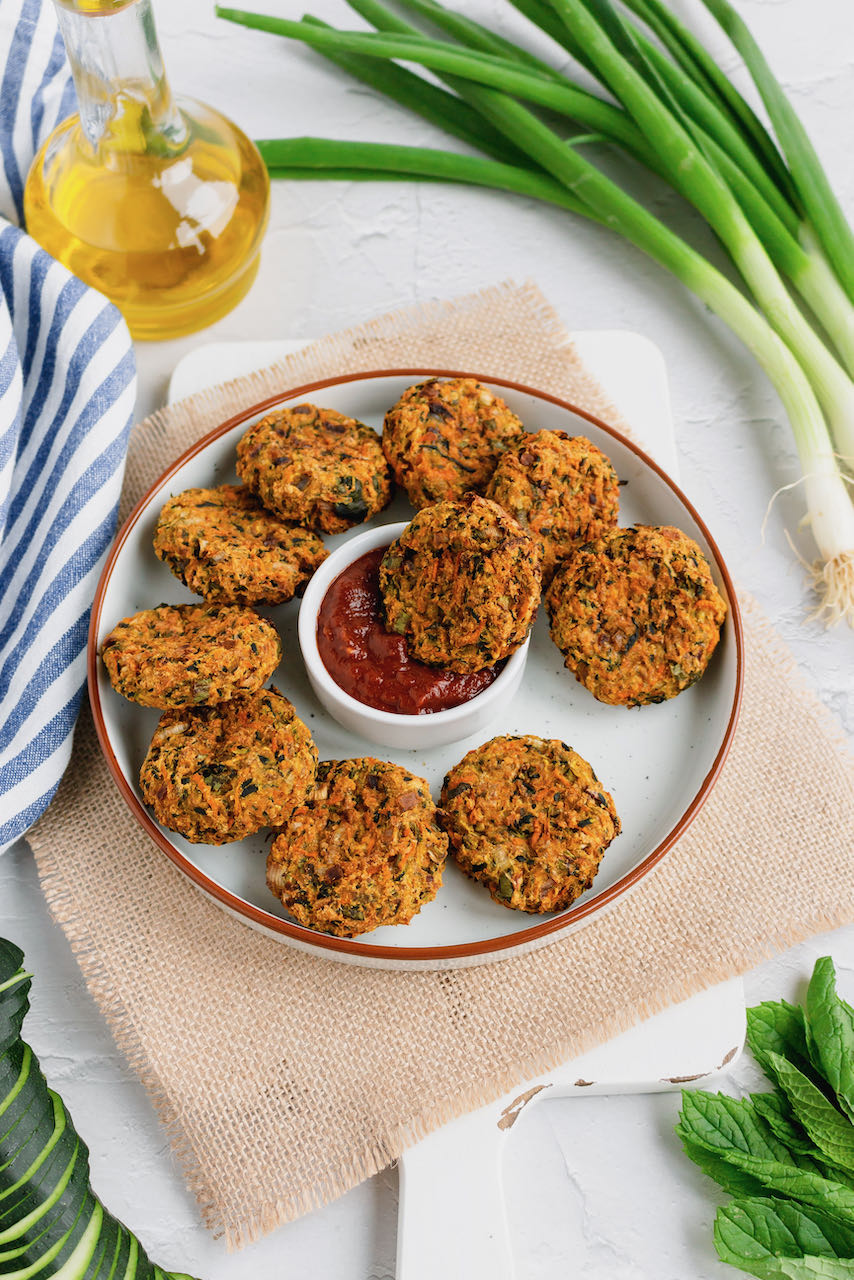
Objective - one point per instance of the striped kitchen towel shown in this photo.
(67, 387)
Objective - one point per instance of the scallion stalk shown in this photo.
(701, 184)
(825, 213)
(686, 122)
(779, 225)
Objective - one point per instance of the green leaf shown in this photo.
(775, 1110)
(831, 1025)
(775, 1238)
(726, 1175)
(829, 1129)
(732, 1128)
(775, 1026)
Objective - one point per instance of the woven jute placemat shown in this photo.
(283, 1080)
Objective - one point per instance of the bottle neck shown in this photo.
(123, 95)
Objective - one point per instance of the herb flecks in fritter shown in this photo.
(188, 655)
(528, 818)
(223, 544)
(315, 467)
(365, 850)
(462, 584)
(216, 774)
(636, 614)
(562, 490)
(444, 438)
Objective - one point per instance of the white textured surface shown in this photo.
(597, 1186)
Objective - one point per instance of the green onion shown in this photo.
(675, 112)
(443, 109)
(315, 157)
(700, 183)
(834, 233)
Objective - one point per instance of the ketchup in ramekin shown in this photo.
(373, 665)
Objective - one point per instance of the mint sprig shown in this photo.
(788, 1155)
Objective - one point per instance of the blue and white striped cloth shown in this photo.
(67, 387)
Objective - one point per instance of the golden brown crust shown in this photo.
(216, 774)
(223, 544)
(444, 437)
(365, 850)
(315, 467)
(188, 655)
(561, 489)
(462, 584)
(636, 614)
(528, 818)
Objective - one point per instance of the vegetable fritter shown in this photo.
(444, 438)
(364, 851)
(528, 818)
(216, 774)
(636, 614)
(187, 655)
(315, 467)
(461, 584)
(225, 545)
(561, 488)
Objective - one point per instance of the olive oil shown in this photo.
(159, 203)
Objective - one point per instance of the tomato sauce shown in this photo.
(373, 665)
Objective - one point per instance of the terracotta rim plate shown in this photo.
(659, 762)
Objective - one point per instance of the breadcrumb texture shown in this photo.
(636, 614)
(187, 655)
(225, 545)
(528, 818)
(444, 437)
(562, 490)
(366, 850)
(216, 774)
(462, 584)
(315, 467)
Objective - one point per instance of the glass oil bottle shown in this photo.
(159, 202)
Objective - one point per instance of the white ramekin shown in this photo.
(433, 729)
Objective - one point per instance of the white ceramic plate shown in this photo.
(658, 762)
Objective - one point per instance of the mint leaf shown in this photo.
(800, 1184)
(775, 1110)
(831, 1025)
(829, 1129)
(733, 1131)
(775, 1026)
(778, 1240)
(781, 1226)
(731, 1127)
(725, 1174)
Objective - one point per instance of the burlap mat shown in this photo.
(284, 1080)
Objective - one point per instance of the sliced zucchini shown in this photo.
(15, 1067)
(49, 1218)
(50, 1260)
(10, 1026)
(26, 1163)
(42, 1195)
(52, 1225)
(31, 1141)
(102, 1265)
(129, 1272)
(46, 1177)
(120, 1261)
